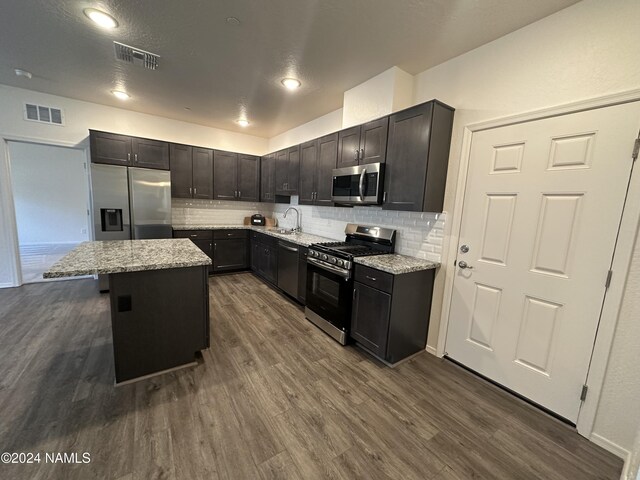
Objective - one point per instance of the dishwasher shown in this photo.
(288, 256)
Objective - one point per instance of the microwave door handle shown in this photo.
(361, 184)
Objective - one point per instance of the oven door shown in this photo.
(329, 292)
(360, 185)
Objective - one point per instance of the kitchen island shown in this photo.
(159, 297)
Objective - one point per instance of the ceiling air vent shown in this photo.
(136, 56)
(42, 114)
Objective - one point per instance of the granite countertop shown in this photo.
(304, 239)
(396, 264)
(117, 256)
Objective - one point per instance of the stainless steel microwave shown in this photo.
(359, 185)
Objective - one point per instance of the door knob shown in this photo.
(462, 264)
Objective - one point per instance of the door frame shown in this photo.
(7, 205)
(623, 252)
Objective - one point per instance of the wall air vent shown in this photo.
(42, 114)
(136, 56)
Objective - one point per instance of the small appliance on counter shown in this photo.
(258, 220)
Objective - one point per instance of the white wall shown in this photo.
(50, 192)
(329, 123)
(387, 92)
(80, 117)
(587, 50)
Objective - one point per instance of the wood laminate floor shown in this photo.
(274, 397)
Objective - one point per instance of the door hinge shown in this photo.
(607, 283)
(583, 393)
(636, 149)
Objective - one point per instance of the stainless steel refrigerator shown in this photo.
(129, 203)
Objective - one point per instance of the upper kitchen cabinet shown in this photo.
(317, 160)
(268, 178)
(248, 178)
(225, 175)
(363, 144)
(288, 171)
(236, 176)
(191, 171)
(110, 148)
(128, 151)
(417, 158)
(149, 153)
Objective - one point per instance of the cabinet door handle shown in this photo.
(229, 234)
(373, 279)
(128, 157)
(190, 191)
(135, 158)
(357, 154)
(362, 154)
(215, 245)
(193, 236)
(384, 197)
(195, 191)
(239, 193)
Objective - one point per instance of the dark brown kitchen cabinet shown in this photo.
(366, 143)
(370, 318)
(236, 176)
(287, 171)
(191, 171)
(202, 238)
(248, 178)
(317, 160)
(114, 149)
(390, 313)
(268, 178)
(418, 158)
(149, 153)
(302, 275)
(110, 148)
(230, 250)
(225, 175)
(264, 256)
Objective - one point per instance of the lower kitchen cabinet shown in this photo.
(302, 275)
(390, 313)
(264, 256)
(202, 238)
(230, 250)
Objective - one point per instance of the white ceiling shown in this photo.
(217, 70)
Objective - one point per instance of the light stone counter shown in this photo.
(117, 256)
(396, 264)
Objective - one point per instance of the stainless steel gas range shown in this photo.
(329, 293)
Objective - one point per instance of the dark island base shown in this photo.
(159, 318)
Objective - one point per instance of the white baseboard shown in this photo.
(609, 446)
(431, 350)
(6, 285)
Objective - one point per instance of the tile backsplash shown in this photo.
(418, 234)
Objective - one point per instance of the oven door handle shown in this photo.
(343, 273)
(361, 184)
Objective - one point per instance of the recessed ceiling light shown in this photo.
(99, 17)
(242, 122)
(187, 108)
(232, 21)
(23, 73)
(120, 94)
(291, 83)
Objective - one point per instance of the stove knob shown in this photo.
(324, 256)
(340, 263)
(333, 260)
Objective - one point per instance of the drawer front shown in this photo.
(193, 234)
(374, 278)
(263, 238)
(229, 234)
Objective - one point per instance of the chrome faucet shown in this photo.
(297, 229)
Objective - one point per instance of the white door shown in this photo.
(542, 206)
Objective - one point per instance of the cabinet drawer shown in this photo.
(193, 234)
(374, 278)
(226, 234)
(263, 238)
